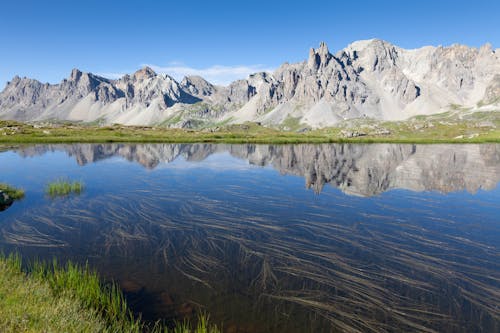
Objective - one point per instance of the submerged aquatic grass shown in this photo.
(367, 272)
(12, 192)
(49, 297)
(63, 187)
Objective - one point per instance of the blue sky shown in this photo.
(219, 39)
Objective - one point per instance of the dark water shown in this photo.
(298, 238)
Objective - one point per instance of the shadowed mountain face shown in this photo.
(371, 78)
(361, 170)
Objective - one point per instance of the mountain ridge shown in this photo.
(367, 79)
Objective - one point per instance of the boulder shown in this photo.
(5, 201)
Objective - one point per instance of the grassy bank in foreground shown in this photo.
(444, 128)
(52, 298)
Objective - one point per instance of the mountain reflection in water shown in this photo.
(204, 227)
(356, 169)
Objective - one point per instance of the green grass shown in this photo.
(172, 120)
(451, 127)
(291, 124)
(28, 304)
(14, 193)
(64, 187)
(53, 298)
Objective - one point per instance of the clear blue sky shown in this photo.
(46, 39)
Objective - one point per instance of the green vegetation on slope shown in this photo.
(459, 126)
(52, 298)
(63, 187)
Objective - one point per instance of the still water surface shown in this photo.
(264, 238)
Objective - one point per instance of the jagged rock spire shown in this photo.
(75, 75)
(319, 57)
(313, 60)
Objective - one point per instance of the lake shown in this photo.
(274, 238)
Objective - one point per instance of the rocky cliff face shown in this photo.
(361, 170)
(372, 79)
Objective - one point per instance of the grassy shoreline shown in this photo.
(421, 131)
(47, 297)
(13, 192)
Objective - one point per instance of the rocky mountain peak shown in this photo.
(15, 80)
(487, 47)
(75, 75)
(319, 57)
(197, 86)
(144, 73)
(323, 49)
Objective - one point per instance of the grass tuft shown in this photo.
(64, 187)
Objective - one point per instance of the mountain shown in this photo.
(361, 170)
(368, 79)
